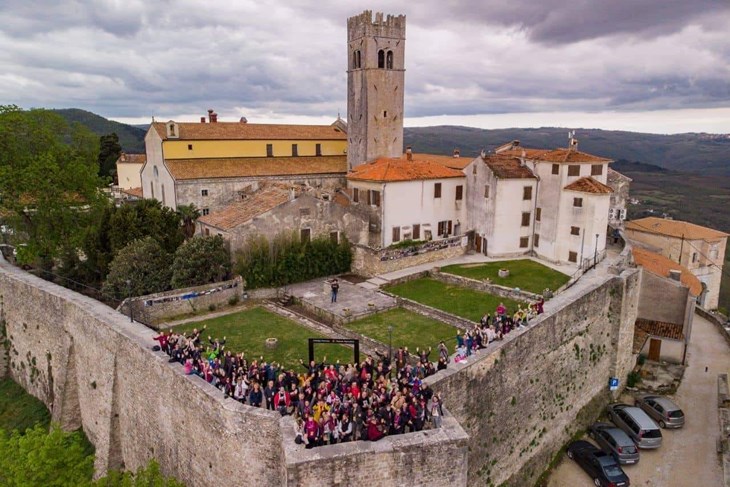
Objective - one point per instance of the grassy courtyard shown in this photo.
(409, 329)
(524, 274)
(247, 331)
(453, 299)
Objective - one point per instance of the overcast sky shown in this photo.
(644, 65)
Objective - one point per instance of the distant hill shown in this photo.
(690, 152)
(130, 138)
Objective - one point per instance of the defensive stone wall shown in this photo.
(485, 286)
(369, 262)
(522, 400)
(95, 370)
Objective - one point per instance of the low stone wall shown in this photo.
(153, 308)
(437, 314)
(369, 262)
(716, 319)
(723, 409)
(522, 399)
(484, 286)
(431, 457)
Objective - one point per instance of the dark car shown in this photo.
(601, 466)
(662, 410)
(615, 442)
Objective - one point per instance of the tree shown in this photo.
(109, 152)
(142, 267)
(188, 214)
(149, 476)
(145, 218)
(49, 187)
(42, 457)
(199, 261)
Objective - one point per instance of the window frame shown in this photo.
(459, 192)
(596, 169)
(573, 170)
(527, 193)
(436, 190)
(525, 219)
(577, 202)
(524, 242)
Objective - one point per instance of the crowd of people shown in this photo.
(334, 402)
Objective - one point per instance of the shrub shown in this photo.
(200, 260)
(633, 379)
(286, 259)
(142, 267)
(233, 300)
(211, 307)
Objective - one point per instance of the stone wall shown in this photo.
(96, 370)
(523, 399)
(367, 262)
(485, 286)
(152, 308)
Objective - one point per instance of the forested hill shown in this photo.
(689, 152)
(707, 154)
(130, 138)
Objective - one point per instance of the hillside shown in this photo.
(131, 138)
(680, 152)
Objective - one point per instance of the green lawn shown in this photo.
(19, 410)
(453, 299)
(524, 274)
(409, 329)
(247, 331)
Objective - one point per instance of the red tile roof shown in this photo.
(250, 131)
(523, 151)
(396, 169)
(571, 156)
(135, 192)
(265, 199)
(256, 166)
(132, 158)
(589, 185)
(659, 265)
(448, 161)
(674, 228)
(507, 166)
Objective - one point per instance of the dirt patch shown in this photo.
(353, 278)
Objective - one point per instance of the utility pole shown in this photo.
(582, 242)
(595, 255)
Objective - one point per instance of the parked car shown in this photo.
(615, 442)
(662, 410)
(601, 466)
(637, 424)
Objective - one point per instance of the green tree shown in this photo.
(201, 260)
(49, 187)
(142, 267)
(188, 214)
(109, 152)
(145, 218)
(149, 476)
(42, 457)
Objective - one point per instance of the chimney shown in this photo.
(202, 119)
(409, 153)
(457, 153)
(244, 120)
(213, 117)
(123, 157)
(675, 274)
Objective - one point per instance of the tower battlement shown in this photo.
(363, 25)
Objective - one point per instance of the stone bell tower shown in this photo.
(375, 83)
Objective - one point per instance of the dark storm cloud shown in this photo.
(166, 58)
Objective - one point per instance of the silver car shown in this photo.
(637, 424)
(662, 410)
(615, 442)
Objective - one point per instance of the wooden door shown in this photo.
(478, 243)
(655, 349)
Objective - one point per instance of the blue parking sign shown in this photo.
(613, 383)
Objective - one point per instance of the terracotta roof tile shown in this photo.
(506, 166)
(674, 228)
(448, 161)
(528, 153)
(659, 265)
(396, 169)
(570, 156)
(255, 166)
(614, 175)
(250, 131)
(589, 185)
(136, 192)
(265, 199)
(132, 159)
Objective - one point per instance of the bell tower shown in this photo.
(375, 84)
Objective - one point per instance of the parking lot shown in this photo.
(687, 456)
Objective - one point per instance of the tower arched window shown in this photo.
(389, 60)
(356, 57)
(381, 58)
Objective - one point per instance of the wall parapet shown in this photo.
(485, 286)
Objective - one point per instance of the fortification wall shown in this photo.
(522, 401)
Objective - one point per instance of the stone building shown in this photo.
(409, 199)
(699, 249)
(276, 207)
(212, 164)
(375, 86)
(129, 167)
(619, 198)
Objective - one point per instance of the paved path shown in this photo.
(688, 456)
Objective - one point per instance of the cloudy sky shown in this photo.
(645, 65)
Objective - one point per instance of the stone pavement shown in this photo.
(352, 300)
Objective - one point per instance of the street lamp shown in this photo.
(595, 255)
(129, 300)
(390, 344)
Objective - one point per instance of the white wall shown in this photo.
(128, 175)
(406, 203)
(507, 228)
(152, 186)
